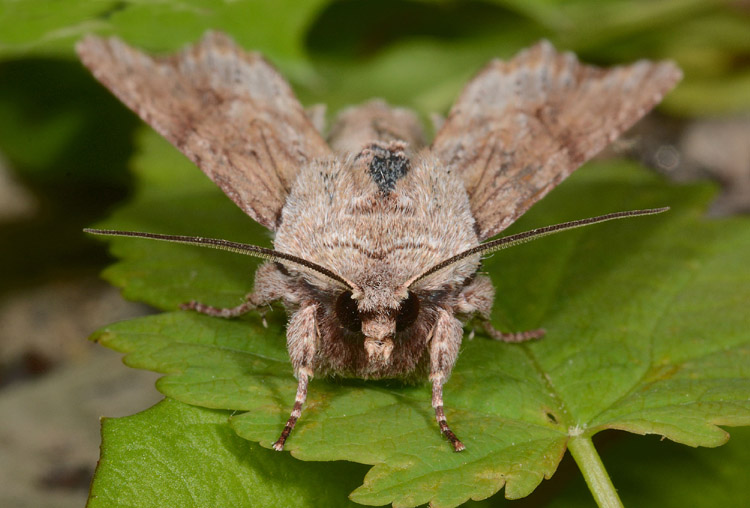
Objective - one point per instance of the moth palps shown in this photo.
(378, 235)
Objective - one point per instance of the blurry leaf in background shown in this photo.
(49, 27)
(68, 142)
(420, 60)
(424, 57)
(61, 128)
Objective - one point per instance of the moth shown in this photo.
(378, 235)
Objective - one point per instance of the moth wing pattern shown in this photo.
(520, 127)
(228, 110)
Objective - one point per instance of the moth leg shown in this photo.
(269, 286)
(302, 338)
(476, 299)
(251, 302)
(444, 343)
(510, 337)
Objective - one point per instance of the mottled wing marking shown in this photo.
(520, 127)
(228, 110)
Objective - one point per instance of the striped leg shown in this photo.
(444, 343)
(437, 403)
(301, 340)
(225, 312)
(270, 285)
(510, 337)
(476, 298)
(303, 379)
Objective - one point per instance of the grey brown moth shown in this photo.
(378, 235)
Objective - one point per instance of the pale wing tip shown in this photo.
(545, 51)
(543, 46)
(217, 41)
(211, 40)
(93, 48)
(672, 71)
(663, 77)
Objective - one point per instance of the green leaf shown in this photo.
(647, 331)
(170, 455)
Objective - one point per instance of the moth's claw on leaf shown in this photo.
(458, 446)
(278, 445)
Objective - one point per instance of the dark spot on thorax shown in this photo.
(387, 165)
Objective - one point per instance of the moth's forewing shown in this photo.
(520, 127)
(228, 110)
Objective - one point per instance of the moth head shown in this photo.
(378, 317)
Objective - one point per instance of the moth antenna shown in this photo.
(527, 236)
(239, 248)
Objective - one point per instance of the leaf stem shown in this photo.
(590, 464)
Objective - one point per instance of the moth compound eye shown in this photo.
(347, 312)
(408, 312)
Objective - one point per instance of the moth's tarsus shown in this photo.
(377, 235)
(437, 402)
(296, 412)
(447, 432)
